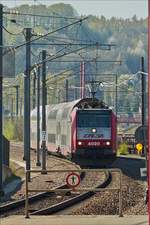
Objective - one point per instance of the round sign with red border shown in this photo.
(73, 180)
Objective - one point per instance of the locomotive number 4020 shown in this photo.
(94, 143)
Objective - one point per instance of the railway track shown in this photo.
(32, 199)
(100, 203)
(50, 200)
(73, 200)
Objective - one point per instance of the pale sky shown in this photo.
(108, 8)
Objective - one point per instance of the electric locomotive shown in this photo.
(84, 130)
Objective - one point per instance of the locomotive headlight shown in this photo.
(79, 143)
(107, 143)
(94, 130)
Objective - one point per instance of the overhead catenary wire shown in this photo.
(49, 33)
(21, 22)
(64, 38)
(67, 70)
(51, 59)
(87, 61)
(38, 56)
(74, 51)
(68, 46)
(77, 41)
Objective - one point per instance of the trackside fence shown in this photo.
(78, 171)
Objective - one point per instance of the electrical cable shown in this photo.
(18, 23)
(74, 67)
(49, 33)
(50, 59)
(55, 37)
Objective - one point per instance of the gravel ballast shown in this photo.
(104, 203)
(107, 203)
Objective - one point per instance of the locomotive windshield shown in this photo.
(94, 118)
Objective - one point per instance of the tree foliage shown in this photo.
(129, 35)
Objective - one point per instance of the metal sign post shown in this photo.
(38, 163)
(66, 86)
(1, 98)
(28, 36)
(5, 69)
(82, 79)
(149, 109)
(43, 112)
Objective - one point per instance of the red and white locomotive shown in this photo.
(84, 128)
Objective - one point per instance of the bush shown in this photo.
(13, 129)
(123, 149)
(9, 129)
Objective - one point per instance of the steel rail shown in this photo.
(14, 205)
(91, 191)
(72, 201)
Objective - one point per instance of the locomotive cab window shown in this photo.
(94, 118)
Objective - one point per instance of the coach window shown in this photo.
(58, 128)
(65, 113)
(33, 118)
(51, 138)
(52, 114)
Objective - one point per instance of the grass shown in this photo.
(13, 129)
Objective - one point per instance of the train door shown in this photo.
(68, 140)
(58, 134)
